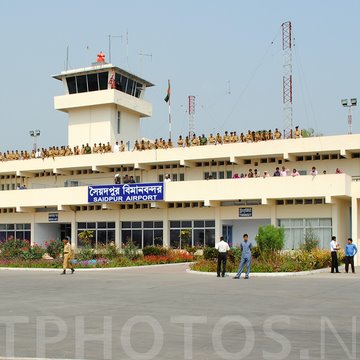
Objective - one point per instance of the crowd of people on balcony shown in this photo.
(139, 145)
(278, 172)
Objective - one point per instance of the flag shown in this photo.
(167, 97)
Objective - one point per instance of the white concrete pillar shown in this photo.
(117, 229)
(166, 229)
(218, 223)
(33, 232)
(334, 217)
(273, 215)
(354, 226)
(74, 239)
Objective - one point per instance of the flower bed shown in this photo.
(294, 261)
(16, 258)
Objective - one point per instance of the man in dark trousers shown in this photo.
(245, 257)
(350, 252)
(334, 248)
(222, 247)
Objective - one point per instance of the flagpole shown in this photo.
(169, 120)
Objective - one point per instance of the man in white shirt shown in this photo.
(116, 147)
(313, 172)
(334, 248)
(284, 171)
(223, 248)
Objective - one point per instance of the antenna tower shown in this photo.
(287, 78)
(191, 115)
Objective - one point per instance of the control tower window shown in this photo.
(123, 83)
(81, 83)
(92, 82)
(138, 90)
(103, 80)
(118, 82)
(71, 84)
(130, 85)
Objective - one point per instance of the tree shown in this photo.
(307, 132)
(270, 238)
(310, 132)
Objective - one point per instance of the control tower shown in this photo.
(104, 103)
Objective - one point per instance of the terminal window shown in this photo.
(142, 233)
(103, 232)
(192, 233)
(18, 231)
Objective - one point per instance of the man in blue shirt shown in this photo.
(245, 257)
(350, 252)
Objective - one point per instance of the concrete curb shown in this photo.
(273, 274)
(93, 269)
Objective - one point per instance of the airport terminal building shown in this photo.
(65, 195)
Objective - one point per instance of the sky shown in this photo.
(226, 53)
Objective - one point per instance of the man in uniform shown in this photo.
(226, 138)
(203, 140)
(235, 138)
(249, 137)
(195, 141)
(122, 146)
(180, 142)
(219, 139)
(297, 133)
(222, 247)
(68, 255)
(270, 135)
(277, 134)
(246, 247)
(87, 149)
(211, 140)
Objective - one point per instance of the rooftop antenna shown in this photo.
(67, 58)
(287, 78)
(191, 110)
(229, 88)
(127, 49)
(141, 54)
(110, 37)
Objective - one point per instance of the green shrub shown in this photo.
(154, 250)
(210, 253)
(131, 251)
(35, 252)
(85, 237)
(54, 248)
(86, 253)
(270, 238)
(311, 241)
(255, 252)
(192, 249)
(13, 248)
(111, 251)
(234, 254)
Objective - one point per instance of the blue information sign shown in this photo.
(53, 217)
(126, 193)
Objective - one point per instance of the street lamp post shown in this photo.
(349, 104)
(34, 134)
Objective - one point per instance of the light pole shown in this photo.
(34, 134)
(349, 104)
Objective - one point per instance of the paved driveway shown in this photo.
(166, 313)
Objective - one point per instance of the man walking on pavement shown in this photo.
(350, 252)
(245, 257)
(223, 248)
(67, 256)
